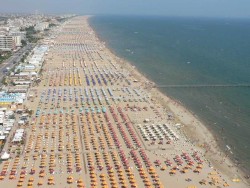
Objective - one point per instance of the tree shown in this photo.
(24, 43)
(30, 112)
(4, 81)
(12, 116)
(18, 71)
(52, 25)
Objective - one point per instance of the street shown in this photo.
(16, 57)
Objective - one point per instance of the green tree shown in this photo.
(24, 43)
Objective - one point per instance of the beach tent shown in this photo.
(5, 156)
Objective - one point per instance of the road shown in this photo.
(16, 57)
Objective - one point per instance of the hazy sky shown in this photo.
(214, 8)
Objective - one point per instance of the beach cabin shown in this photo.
(5, 156)
(18, 137)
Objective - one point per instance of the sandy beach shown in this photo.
(98, 122)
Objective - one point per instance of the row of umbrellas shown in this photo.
(129, 128)
(56, 78)
(124, 160)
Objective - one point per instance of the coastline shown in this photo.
(193, 128)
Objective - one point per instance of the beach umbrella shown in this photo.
(12, 177)
(163, 168)
(191, 186)
(80, 185)
(30, 183)
(70, 181)
(113, 183)
(51, 182)
(213, 173)
(19, 184)
(200, 166)
(104, 183)
(51, 178)
(146, 179)
(21, 180)
(102, 175)
(226, 184)
(203, 181)
(134, 185)
(172, 172)
(197, 170)
(22, 176)
(93, 179)
(42, 175)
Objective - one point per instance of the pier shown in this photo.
(201, 85)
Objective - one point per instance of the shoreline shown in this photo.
(192, 124)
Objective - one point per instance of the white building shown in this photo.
(41, 26)
(18, 135)
(7, 43)
(18, 40)
(22, 34)
(1, 118)
(4, 30)
(29, 67)
(38, 55)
